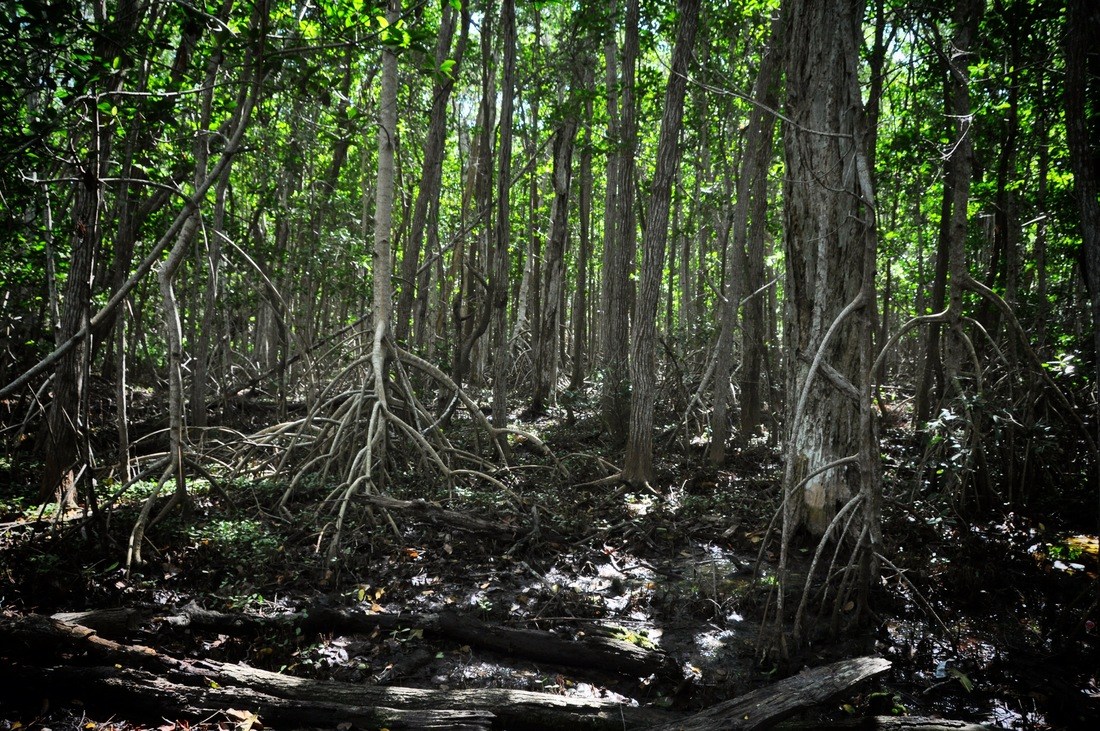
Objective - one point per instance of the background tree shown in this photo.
(638, 463)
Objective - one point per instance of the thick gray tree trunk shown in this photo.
(826, 264)
(63, 438)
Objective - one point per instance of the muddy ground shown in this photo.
(989, 618)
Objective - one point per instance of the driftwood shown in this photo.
(599, 652)
(767, 706)
(154, 696)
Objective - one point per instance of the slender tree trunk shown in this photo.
(619, 244)
(143, 134)
(382, 268)
(527, 298)
(968, 15)
(431, 174)
(1042, 310)
(931, 386)
(474, 307)
(233, 129)
(211, 294)
(747, 260)
(580, 295)
(503, 231)
(546, 360)
(638, 466)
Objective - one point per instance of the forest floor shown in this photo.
(992, 620)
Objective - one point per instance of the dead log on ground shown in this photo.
(38, 654)
(764, 707)
(598, 652)
(107, 622)
(41, 655)
(438, 514)
(889, 723)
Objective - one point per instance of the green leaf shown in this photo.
(382, 22)
(447, 67)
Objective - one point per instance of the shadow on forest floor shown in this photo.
(993, 622)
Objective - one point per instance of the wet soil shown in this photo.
(991, 620)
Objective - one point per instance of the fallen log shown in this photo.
(592, 651)
(143, 692)
(438, 514)
(889, 723)
(764, 707)
(32, 648)
(107, 622)
(39, 653)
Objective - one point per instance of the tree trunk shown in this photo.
(546, 360)
(503, 231)
(473, 308)
(580, 295)
(638, 466)
(382, 266)
(431, 172)
(65, 427)
(1082, 110)
(752, 197)
(824, 253)
(619, 240)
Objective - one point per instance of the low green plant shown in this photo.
(244, 541)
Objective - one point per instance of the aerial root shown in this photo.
(354, 426)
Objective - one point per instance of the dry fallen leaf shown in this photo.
(244, 720)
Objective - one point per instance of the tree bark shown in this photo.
(1082, 110)
(620, 237)
(638, 467)
(37, 651)
(431, 172)
(65, 427)
(748, 254)
(824, 253)
(546, 360)
(764, 707)
(580, 294)
(502, 233)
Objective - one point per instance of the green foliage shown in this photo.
(243, 541)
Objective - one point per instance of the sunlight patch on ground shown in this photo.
(709, 645)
